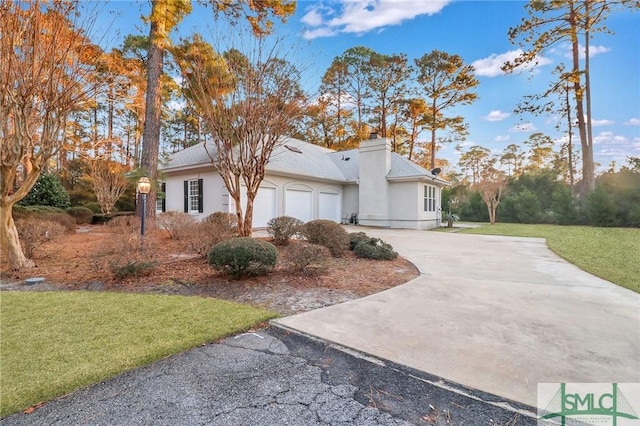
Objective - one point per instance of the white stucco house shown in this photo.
(379, 187)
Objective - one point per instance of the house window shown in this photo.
(193, 202)
(194, 194)
(161, 198)
(429, 198)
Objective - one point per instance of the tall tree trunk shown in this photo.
(151, 133)
(247, 228)
(434, 111)
(588, 175)
(570, 141)
(590, 182)
(11, 249)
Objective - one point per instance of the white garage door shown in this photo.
(299, 204)
(329, 206)
(264, 205)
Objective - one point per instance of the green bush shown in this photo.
(600, 208)
(49, 213)
(326, 233)
(82, 215)
(47, 191)
(68, 222)
(283, 228)
(356, 237)
(243, 256)
(564, 207)
(94, 206)
(133, 269)
(307, 257)
(375, 248)
(527, 207)
(102, 218)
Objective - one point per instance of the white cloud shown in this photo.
(596, 123)
(491, 66)
(565, 50)
(633, 122)
(523, 128)
(361, 16)
(501, 138)
(496, 115)
(610, 138)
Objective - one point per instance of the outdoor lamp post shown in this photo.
(144, 186)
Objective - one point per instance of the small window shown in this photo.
(429, 198)
(194, 196)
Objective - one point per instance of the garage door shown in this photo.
(264, 206)
(298, 203)
(329, 206)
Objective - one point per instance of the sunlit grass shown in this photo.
(52, 343)
(609, 253)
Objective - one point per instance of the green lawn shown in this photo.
(610, 253)
(52, 343)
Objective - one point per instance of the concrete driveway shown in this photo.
(497, 314)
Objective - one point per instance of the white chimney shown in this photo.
(374, 197)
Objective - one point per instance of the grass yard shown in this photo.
(609, 253)
(52, 343)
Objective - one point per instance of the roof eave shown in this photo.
(419, 178)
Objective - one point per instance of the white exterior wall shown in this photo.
(407, 206)
(215, 195)
(350, 200)
(373, 199)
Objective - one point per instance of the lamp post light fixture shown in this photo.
(144, 186)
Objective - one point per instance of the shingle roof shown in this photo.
(300, 158)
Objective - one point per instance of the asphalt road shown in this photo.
(274, 377)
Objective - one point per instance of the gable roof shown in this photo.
(298, 158)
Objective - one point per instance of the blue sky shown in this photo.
(474, 29)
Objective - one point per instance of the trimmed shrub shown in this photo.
(243, 256)
(283, 228)
(65, 220)
(308, 257)
(82, 215)
(133, 269)
(376, 249)
(326, 233)
(208, 233)
(179, 225)
(102, 218)
(47, 191)
(225, 220)
(356, 237)
(94, 206)
(34, 232)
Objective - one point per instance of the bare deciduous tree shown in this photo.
(491, 185)
(109, 182)
(44, 61)
(247, 106)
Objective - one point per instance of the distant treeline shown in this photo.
(542, 198)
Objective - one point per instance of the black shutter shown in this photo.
(164, 197)
(200, 197)
(186, 196)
